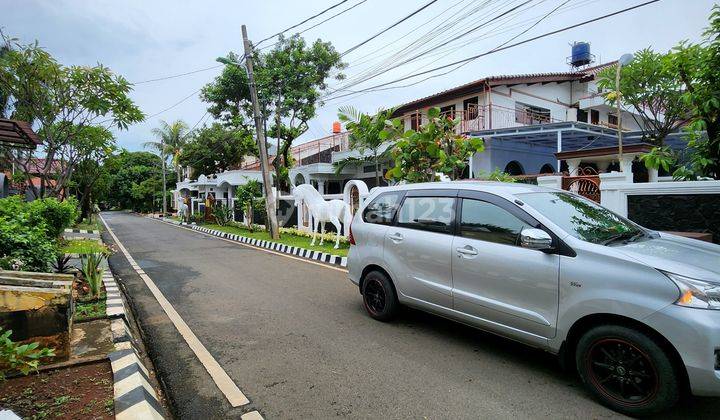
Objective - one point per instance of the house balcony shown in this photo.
(487, 117)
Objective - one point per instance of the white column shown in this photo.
(550, 181)
(626, 166)
(573, 165)
(652, 175)
(611, 195)
(321, 186)
(559, 148)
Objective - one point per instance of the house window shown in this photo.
(582, 115)
(470, 106)
(612, 120)
(448, 111)
(415, 121)
(594, 116)
(528, 114)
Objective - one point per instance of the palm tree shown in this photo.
(172, 138)
(366, 133)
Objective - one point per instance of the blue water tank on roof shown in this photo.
(580, 54)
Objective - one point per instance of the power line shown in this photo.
(306, 20)
(174, 105)
(176, 75)
(351, 49)
(465, 33)
(495, 50)
(321, 22)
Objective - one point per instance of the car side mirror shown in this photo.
(532, 238)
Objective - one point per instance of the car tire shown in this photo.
(626, 370)
(379, 298)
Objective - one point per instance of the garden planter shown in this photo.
(38, 307)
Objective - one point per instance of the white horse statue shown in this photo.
(322, 211)
(183, 211)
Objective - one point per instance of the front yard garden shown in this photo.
(290, 237)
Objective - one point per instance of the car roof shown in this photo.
(500, 188)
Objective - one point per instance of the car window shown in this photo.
(427, 213)
(382, 209)
(580, 217)
(488, 222)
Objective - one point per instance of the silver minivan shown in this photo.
(636, 312)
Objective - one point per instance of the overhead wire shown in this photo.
(300, 23)
(416, 11)
(506, 47)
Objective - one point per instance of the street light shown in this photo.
(623, 61)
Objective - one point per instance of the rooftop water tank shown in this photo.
(580, 54)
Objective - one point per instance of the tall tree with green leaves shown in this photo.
(366, 133)
(217, 148)
(61, 102)
(289, 79)
(435, 148)
(698, 66)
(170, 141)
(650, 87)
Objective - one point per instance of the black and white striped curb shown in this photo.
(97, 232)
(135, 398)
(113, 302)
(275, 246)
(324, 257)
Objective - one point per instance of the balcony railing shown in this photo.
(315, 151)
(487, 117)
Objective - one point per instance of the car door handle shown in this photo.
(396, 237)
(466, 251)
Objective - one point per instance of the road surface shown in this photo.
(294, 337)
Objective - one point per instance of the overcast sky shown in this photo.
(150, 39)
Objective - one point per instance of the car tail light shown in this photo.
(350, 236)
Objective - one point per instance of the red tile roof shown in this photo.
(501, 80)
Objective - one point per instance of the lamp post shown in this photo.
(623, 61)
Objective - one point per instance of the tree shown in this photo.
(90, 179)
(217, 148)
(172, 138)
(246, 197)
(289, 79)
(698, 66)
(366, 133)
(135, 181)
(654, 91)
(434, 148)
(60, 102)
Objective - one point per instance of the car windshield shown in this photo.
(583, 218)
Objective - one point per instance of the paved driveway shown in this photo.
(295, 339)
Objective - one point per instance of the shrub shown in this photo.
(222, 214)
(56, 215)
(22, 357)
(91, 271)
(24, 246)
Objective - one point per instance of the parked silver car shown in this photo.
(636, 312)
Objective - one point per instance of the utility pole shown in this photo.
(164, 192)
(261, 141)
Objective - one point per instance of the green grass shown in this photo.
(82, 246)
(94, 225)
(85, 310)
(285, 238)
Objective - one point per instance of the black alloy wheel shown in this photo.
(379, 297)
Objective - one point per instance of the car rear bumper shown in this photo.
(695, 334)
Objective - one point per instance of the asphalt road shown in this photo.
(296, 340)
